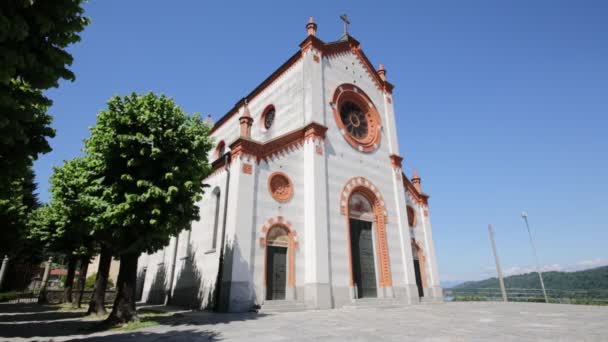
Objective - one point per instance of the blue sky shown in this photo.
(501, 106)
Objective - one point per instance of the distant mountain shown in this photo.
(448, 284)
(594, 278)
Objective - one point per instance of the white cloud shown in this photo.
(592, 263)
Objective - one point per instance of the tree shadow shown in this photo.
(158, 288)
(179, 335)
(41, 316)
(67, 327)
(48, 328)
(187, 290)
(16, 308)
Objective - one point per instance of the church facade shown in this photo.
(307, 201)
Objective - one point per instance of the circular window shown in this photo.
(280, 187)
(354, 120)
(411, 217)
(357, 118)
(268, 117)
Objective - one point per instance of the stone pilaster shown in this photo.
(409, 280)
(434, 289)
(237, 280)
(316, 249)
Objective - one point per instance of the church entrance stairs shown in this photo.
(283, 306)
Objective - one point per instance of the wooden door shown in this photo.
(418, 277)
(364, 268)
(276, 274)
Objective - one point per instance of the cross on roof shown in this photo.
(346, 23)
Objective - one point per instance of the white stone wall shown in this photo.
(266, 207)
(344, 162)
(285, 93)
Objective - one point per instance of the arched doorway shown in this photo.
(278, 262)
(419, 267)
(360, 220)
(363, 205)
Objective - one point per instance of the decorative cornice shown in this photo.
(396, 161)
(420, 197)
(262, 151)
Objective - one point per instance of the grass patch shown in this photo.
(146, 319)
(67, 307)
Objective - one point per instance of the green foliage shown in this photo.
(90, 282)
(66, 225)
(10, 295)
(34, 36)
(16, 204)
(150, 162)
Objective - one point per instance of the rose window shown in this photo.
(357, 118)
(354, 120)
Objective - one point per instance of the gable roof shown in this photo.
(344, 44)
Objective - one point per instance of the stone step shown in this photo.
(375, 303)
(283, 306)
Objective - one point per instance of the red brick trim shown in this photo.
(411, 216)
(262, 151)
(396, 161)
(419, 197)
(292, 245)
(352, 93)
(366, 188)
(421, 260)
(276, 179)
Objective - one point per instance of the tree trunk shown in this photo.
(124, 304)
(97, 303)
(82, 276)
(68, 284)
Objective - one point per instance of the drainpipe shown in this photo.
(220, 268)
(169, 295)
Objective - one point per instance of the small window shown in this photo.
(411, 217)
(220, 149)
(216, 219)
(268, 117)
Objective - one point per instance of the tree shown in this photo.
(20, 199)
(33, 39)
(66, 225)
(152, 159)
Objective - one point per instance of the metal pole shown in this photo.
(498, 269)
(524, 215)
(3, 270)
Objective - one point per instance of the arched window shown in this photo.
(359, 207)
(277, 236)
(220, 149)
(216, 217)
(411, 217)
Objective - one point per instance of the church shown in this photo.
(307, 202)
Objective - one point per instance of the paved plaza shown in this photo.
(431, 322)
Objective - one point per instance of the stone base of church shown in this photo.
(433, 294)
(318, 296)
(242, 297)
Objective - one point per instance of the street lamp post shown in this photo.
(524, 215)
